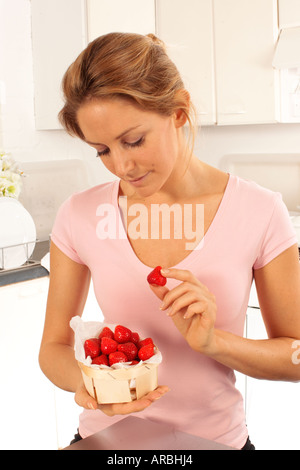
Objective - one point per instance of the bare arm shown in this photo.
(193, 310)
(68, 290)
(278, 289)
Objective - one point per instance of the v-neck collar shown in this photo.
(206, 240)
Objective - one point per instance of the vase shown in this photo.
(17, 234)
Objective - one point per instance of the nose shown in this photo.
(123, 164)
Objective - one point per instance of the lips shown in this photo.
(138, 180)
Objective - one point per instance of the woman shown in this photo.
(125, 98)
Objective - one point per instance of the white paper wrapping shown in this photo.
(91, 329)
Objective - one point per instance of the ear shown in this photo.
(183, 100)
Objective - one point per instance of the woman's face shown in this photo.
(142, 148)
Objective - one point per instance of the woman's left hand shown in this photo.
(192, 308)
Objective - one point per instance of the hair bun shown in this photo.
(156, 41)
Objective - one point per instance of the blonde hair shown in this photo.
(126, 65)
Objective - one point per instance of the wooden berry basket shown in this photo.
(119, 385)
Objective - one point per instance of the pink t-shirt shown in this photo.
(250, 229)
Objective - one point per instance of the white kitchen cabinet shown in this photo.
(247, 90)
(223, 49)
(58, 36)
(190, 46)
(26, 396)
(66, 410)
(272, 408)
(132, 16)
(289, 13)
(35, 415)
(61, 29)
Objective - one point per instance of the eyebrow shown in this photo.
(118, 137)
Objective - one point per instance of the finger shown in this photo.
(124, 408)
(134, 406)
(184, 302)
(180, 275)
(197, 308)
(160, 391)
(84, 399)
(159, 291)
(175, 293)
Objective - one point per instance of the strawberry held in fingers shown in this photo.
(156, 278)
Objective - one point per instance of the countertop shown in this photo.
(136, 434)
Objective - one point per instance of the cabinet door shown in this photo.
(272, 408)
(132, 16)
(26, 395)
(188, 33)
(246, 84)
(289, 13)
(58, 36)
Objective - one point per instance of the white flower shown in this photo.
(10, 176)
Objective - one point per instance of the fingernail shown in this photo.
(91, 406)
(162, 306)
(164, 271)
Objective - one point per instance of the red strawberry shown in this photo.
(129, 349)
(116, 357)
(146, 352)
(135, 337)
(133, 363)
(122, 334)
(108, 345)
(156, 278)
(103, 359)
(92, 347)
(144, 342)
(106, 333)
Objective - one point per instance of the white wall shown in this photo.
(17, 129)
(17, 126)
(214, 142)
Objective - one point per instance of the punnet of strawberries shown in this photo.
(121, 345)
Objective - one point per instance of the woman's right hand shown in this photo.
(85, 400)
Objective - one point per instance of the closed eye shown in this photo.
(138, 143)
(104, 152)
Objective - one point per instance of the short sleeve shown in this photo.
(278, 236)
(61, 234)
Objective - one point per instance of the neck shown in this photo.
(185, 181)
